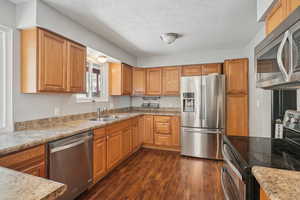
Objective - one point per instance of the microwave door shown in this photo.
(295, 51)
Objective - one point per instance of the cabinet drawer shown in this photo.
(99, 133)
(162, 127)
(165, 119)
(118, 126)
(162, 139)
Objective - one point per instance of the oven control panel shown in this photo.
(292, 120)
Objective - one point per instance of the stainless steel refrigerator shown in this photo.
(202, 116)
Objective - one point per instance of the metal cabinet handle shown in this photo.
(279, 54)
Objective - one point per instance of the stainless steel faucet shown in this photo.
(99, 112)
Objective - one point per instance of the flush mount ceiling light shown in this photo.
(102, 59)
(169, 38)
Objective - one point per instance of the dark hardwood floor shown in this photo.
(160, 175)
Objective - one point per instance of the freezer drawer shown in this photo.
(201, 143)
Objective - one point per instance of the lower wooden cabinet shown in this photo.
(30, 161)
(135, 134)
(175, 126)
(99, 158)
(114, 148)
(148, 129)
(237, 115)
(126, 142)
(263, 195)
(162, 139)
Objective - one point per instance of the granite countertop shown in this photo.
(19, 186)
(278, 184)
(19, 140)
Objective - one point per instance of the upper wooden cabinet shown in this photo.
(154, 81)
(281, 10)
(120, 79)
(75, 69)
(138, 81)
(212, 68)
(201, 69)
(192, 70)
(171, 81)
(236, 72)
(51, 63)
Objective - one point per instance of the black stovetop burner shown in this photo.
(267, 152)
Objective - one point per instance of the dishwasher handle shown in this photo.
(70, 144)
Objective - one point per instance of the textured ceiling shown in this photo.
(135, 25)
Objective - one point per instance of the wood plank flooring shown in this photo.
(160, 175)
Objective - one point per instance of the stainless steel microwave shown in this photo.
(277, 57)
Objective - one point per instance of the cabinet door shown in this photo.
(148, 129)
(153, 86)
(276, 15)
(191, 70)
(141, 130)
(126, 142)
(99, 158)
(175, 130)
(212, 68)
(164, 140)
(76, 67)
(138, 81)
(135, 136)
(36, 170)
(237, 115)
(126, 80)
(171, 80)
(292, 5)
(236, 72)
(52, 73)
(263, 195)
(114, 148)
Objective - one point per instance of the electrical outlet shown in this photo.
(56, 111)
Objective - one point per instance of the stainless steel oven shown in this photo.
(234, 187)
(278, 56)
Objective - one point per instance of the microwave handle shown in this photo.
(279, 56)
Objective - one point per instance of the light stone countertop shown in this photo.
(19, 186)
(278, 184)
(19, 140)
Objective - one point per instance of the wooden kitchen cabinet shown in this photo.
(154, 81)
(148, 129)
(141, 129)
(236, 72)
(126, 142)
(30, 161)
(120, 79)
(135, 134)
(114, 148)
(263, 195)
(237, 115)
(51, 63)
(138, 81)
(175, 129)
(171, 81)
(76, 68)
(280, 11)
(211, 68)
(99, 154)
(192, 70)
(99, 158)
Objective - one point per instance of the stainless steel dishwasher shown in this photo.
(70, 162)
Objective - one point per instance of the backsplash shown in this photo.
(165, 102)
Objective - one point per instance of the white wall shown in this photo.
(193, 57)
(35, 106)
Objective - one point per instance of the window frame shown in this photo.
(104, 68)
(7, 80)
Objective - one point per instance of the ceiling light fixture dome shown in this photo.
(169, 38)
(102, 59)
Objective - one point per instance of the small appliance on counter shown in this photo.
(202, 115)
(242, 153)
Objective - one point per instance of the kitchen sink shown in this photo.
(105, 118)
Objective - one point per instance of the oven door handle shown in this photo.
(231, 165)
(225, 184)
